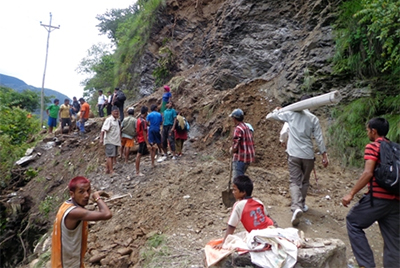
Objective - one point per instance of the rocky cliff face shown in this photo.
(220, 44)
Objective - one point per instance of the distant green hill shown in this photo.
(19, 85)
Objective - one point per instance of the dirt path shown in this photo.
(181, 200)
(165, 218)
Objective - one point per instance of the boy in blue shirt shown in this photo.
(154, 121)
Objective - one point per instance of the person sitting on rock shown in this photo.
(249, 210)
(70, 231)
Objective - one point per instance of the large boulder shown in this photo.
(316, 253)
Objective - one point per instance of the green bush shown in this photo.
(15, 129)
(348, 133)
(368, 38)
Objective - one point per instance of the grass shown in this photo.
(153, 251)
(48, 205)
(347, 135)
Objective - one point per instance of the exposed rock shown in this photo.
(329, 253)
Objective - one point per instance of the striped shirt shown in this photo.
(243, 142)
(372, 153)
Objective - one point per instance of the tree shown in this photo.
(110, 21)
(28, 100)
(99, 66)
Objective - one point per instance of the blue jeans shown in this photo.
(81, 125)
(239, 168)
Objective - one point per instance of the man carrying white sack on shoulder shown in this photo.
(303, 125)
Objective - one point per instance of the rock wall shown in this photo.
(221, 44)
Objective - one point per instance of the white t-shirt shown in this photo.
(112, 131)
(101, 99)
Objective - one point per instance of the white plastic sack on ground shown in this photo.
(283, 253)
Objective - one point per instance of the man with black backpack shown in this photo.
(380, 204)
(118, 99)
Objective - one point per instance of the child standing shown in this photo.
(165, 98)
(250, 211)
(52, 112)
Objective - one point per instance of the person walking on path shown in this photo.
(165, 98)
(111, 137)
(154, 121)
(52, 112)
(128, 130)
(118, 99)
(382, 206)
(168, 133)
(303, 125)
(65, 115)
(242, 148)
(141, 134)
(181, 133)
(84, 116)
(101, 103)
(70, 228)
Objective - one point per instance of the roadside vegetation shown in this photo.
(129, 30)
(367, 49)
(17, 128)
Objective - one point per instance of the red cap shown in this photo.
(167, 88)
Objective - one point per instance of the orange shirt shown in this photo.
(85, 108)
(64, 252)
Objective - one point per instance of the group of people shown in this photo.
(65, 112)
(303, 126)
(152, 131)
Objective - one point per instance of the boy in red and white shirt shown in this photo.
(250, 211)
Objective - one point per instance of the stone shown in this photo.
(97, 258)
(125, 251)
(33, 263)
(318, 253)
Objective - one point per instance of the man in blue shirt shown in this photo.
(154, 120)
(168, 134)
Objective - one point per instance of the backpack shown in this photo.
(387, 172)
(121, 96)
(185, 127)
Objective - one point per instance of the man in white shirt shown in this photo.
(101, 103)
(111, 137)
(303, 125)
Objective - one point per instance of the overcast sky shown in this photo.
(23, 40)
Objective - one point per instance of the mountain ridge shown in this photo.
(19, 86)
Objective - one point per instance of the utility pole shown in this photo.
(49, 29)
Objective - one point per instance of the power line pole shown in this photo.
(49, 29)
